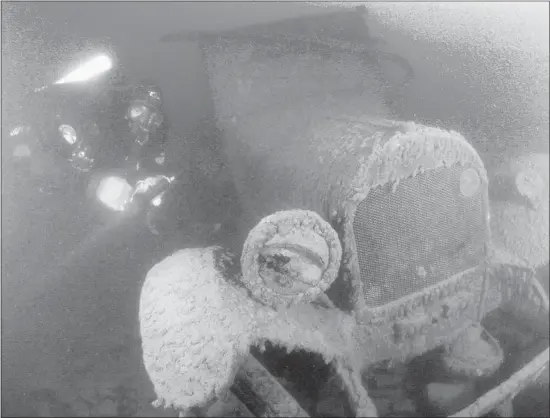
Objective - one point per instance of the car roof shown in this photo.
(346, 25)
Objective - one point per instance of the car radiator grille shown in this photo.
(418, 234)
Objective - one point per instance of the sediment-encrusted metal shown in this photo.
(309, 130)
(300, 233)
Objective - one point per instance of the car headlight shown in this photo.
(530, 184)
(114, 192)
(68, 133)
(90, 69)
(523, 179)
(470, 182)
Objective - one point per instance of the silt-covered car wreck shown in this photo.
(368, 246)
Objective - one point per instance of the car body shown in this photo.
(308, 126)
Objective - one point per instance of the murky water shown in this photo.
(70, 340)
